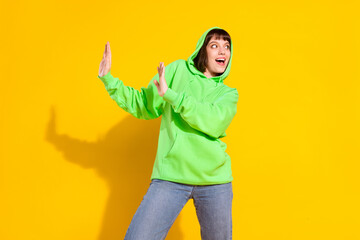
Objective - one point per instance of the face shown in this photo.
(218, 55)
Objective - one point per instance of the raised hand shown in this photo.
(161, 84)
(105, 64)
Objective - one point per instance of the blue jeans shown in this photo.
(164, 200)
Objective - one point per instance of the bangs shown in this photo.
(219, 34)
(223, 37)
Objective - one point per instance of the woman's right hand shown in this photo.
(105, 64)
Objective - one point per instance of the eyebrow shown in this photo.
(226, 42)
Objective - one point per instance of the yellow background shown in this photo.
(74, 165)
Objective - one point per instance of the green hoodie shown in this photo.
(195, 111)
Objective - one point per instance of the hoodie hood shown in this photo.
(190, 60)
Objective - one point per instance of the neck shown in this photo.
(208, 74)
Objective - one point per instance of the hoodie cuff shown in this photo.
(172, 97)
(107, 79)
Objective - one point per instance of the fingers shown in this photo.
(108, 48)
(107, 51)
(157, 85)
(161, 83)
(161, 68)
(159, 71)
(105, 63)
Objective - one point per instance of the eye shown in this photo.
(212, 46)
(227, 46)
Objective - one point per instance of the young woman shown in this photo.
(196, 108)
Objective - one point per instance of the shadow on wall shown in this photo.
(124, 158)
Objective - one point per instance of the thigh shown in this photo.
(213, 205)
(158, 210)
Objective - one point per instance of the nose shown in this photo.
(221, 50)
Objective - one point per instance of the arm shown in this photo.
(145, 104)
(211, 118)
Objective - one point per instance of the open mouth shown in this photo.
(220, 61)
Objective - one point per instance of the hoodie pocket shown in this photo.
(194, 155)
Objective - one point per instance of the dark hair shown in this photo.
(201, 59)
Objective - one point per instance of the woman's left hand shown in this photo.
(161, 84)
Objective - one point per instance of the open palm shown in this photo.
(105, 64)
(161, 84)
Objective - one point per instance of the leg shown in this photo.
(213, 205)
(158, 210)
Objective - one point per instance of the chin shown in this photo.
(219, 73)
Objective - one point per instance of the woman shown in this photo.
(191, 162)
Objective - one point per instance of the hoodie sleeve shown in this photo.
(145, 104)
(211, 118)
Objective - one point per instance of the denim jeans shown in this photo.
(164, 200)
